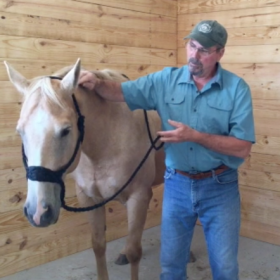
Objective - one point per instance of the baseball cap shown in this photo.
(209, 33)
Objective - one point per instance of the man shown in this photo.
(208, 130)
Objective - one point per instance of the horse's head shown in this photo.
(49, 133)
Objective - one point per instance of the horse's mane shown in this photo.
(44, 83)
(105, 74)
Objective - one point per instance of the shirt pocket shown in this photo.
(216, 119)
(175, 107)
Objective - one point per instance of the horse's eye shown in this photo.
(64, 132)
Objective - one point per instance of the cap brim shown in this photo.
(202, 40)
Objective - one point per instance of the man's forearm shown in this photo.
(109, 90)
(224, 144)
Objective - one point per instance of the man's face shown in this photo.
(201, 60)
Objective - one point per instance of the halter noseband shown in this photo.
(42, 174)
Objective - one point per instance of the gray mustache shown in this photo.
(194, 61)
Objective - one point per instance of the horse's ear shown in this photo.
(20, 82)
(70, 81)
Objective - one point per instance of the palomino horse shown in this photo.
(115, 141)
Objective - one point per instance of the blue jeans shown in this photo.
(216, 202)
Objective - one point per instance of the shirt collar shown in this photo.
(187, 78)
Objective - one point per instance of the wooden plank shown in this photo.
(263, 104)
(263, 78)
(244, 54)
(9, 95)
(203, 6)
(253, 73)
(10, 157)
(262, 163)
(159, 7)
(8, 137)
(256, 35)
(15, 221)
(11, 179)
(25, 249)
(34, 68)
(50, 28)
(73, 241)
(266, 144)
(261, 206)
(9, 114)
(267, 91)
(260, 231)
(266, 181)
(35, 236)
(92, 15)
(267, 127)
(264, 16)
(14, 198)
(35, 48)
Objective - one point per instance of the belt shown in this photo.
(203, 175)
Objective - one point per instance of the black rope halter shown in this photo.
(42, 174)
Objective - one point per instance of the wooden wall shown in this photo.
(38, 37)
(253, 53)
(137, 37)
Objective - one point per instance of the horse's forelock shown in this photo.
(43, 86)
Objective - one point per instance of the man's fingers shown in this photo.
(174, 123)
(82, 79)
(163, 133)
(87, 85)
(85, 76)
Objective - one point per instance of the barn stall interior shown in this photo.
(137, 38)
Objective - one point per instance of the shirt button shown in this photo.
(194, 110)
(191, 148)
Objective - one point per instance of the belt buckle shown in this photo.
(193, 172)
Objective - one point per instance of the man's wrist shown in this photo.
(198, 136)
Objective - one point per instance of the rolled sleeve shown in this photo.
(142, 93)
(242, 120)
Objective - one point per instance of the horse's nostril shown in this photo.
(45, 205)
(25, 211)
(47, 214)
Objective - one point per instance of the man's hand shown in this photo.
(227, 145)
(181, 133)
(87, 80)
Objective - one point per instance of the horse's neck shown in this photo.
(94, 108)
(100, 119)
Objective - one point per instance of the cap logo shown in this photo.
(205, 28)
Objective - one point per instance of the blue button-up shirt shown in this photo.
(222, 107)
